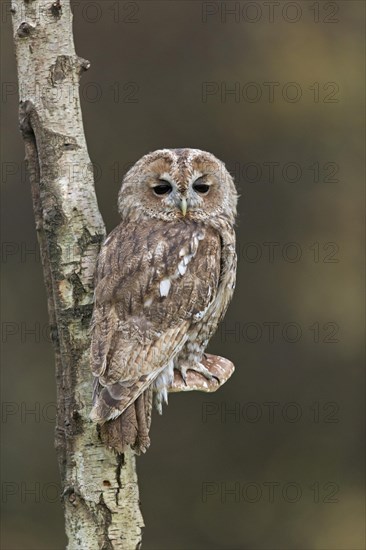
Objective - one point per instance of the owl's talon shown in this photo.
(201, 369)
(183, 373)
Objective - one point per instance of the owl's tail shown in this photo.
(131, 428)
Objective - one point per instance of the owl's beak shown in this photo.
(183, 206)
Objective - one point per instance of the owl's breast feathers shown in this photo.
(154, 281)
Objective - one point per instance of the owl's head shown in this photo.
(173, 184)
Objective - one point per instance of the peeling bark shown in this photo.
(100, 491)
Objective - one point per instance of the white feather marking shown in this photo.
(114, 414)
(159, 249)
(198, 316)
(182, 268)
(187, 259)
(148, 302)
(164, 287)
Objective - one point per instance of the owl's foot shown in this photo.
(199, 368)
(219, 369)
(183, 372)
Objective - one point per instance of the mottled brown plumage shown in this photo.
(164, 279)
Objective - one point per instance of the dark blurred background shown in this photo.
(274, 460)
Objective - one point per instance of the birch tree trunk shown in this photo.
(100, 491)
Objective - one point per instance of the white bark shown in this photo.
(100, 496)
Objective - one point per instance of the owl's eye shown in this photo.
(163, 188)
(200, 187)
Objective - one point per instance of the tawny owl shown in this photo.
(164, 279)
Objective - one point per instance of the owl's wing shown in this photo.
(151, 282)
